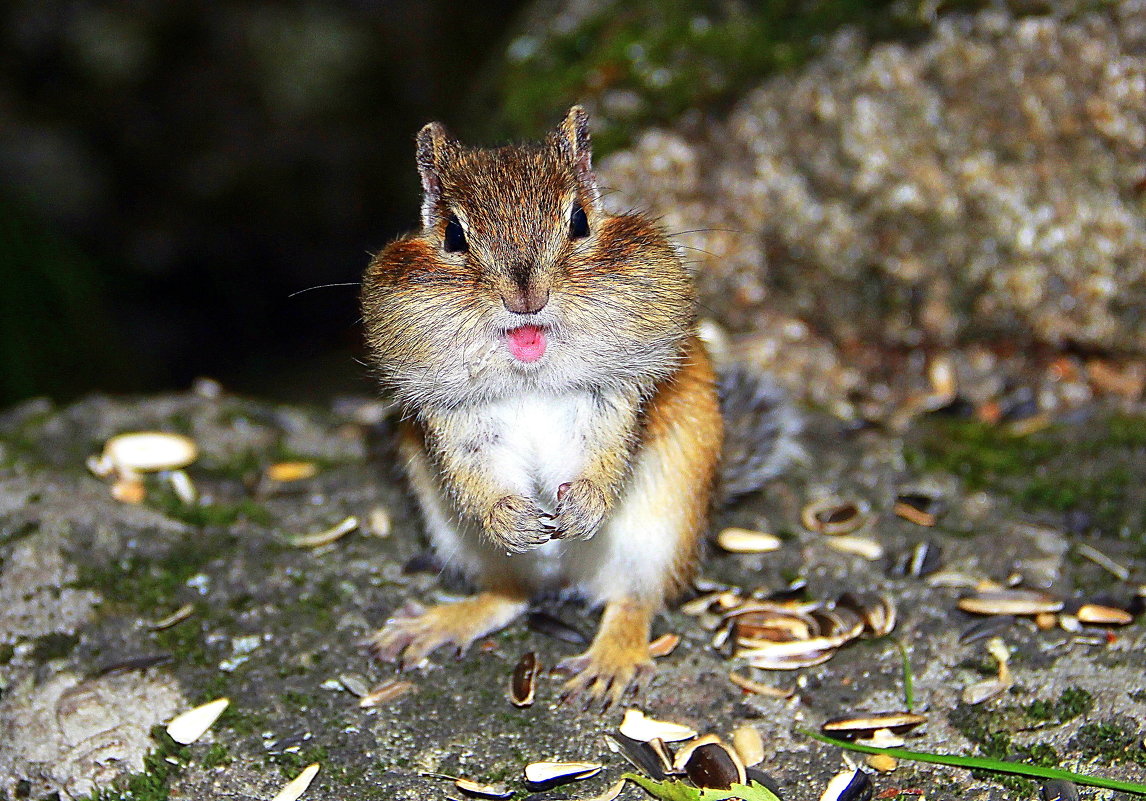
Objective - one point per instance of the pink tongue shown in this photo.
(527, 344)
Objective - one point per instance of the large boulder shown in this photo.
(986, 183)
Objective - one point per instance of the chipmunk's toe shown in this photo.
(604, 679)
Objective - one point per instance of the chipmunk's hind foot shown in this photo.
(414, 632)
(617, 664)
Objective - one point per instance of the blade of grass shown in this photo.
(983, 763)
(908, 678)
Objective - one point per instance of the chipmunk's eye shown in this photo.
(578, 222)
(455, 240)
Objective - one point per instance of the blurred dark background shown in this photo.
(175, 177)
(172, 173)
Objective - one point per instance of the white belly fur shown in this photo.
(539, 442)
(539, 445)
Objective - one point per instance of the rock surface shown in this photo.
(985, 185)
(275, 628)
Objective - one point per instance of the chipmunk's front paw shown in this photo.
(580, 509)
(605, 676)
(518, 524)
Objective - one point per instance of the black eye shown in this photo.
(578, 223)
(455, 241)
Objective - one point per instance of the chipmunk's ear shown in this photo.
(572, 138)
(434, 146)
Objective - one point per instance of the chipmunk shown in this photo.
(562, 429)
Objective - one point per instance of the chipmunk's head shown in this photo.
(520, 278)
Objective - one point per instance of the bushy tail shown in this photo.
(760, 431)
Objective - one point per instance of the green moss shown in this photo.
(291, 762)
(992, 728)
(677, 55)
(203, 515)
(217, 685)
(186, 642)
(1109, 743)
(216, 756)
(7, 651)
(144, 582)
(54, 646)
(299, 701)
(1073, 702)
(1093, 467)
(316, 606)
(246, 723)
(992, 731)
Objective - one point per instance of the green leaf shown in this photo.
(670, 790)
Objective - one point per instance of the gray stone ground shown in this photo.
(83, 578)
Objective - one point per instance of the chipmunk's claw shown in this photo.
(608, 682)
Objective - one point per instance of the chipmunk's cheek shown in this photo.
(527, 343)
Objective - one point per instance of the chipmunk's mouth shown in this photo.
(527, 343)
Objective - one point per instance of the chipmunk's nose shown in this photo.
(525, 295)
(525, 301)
